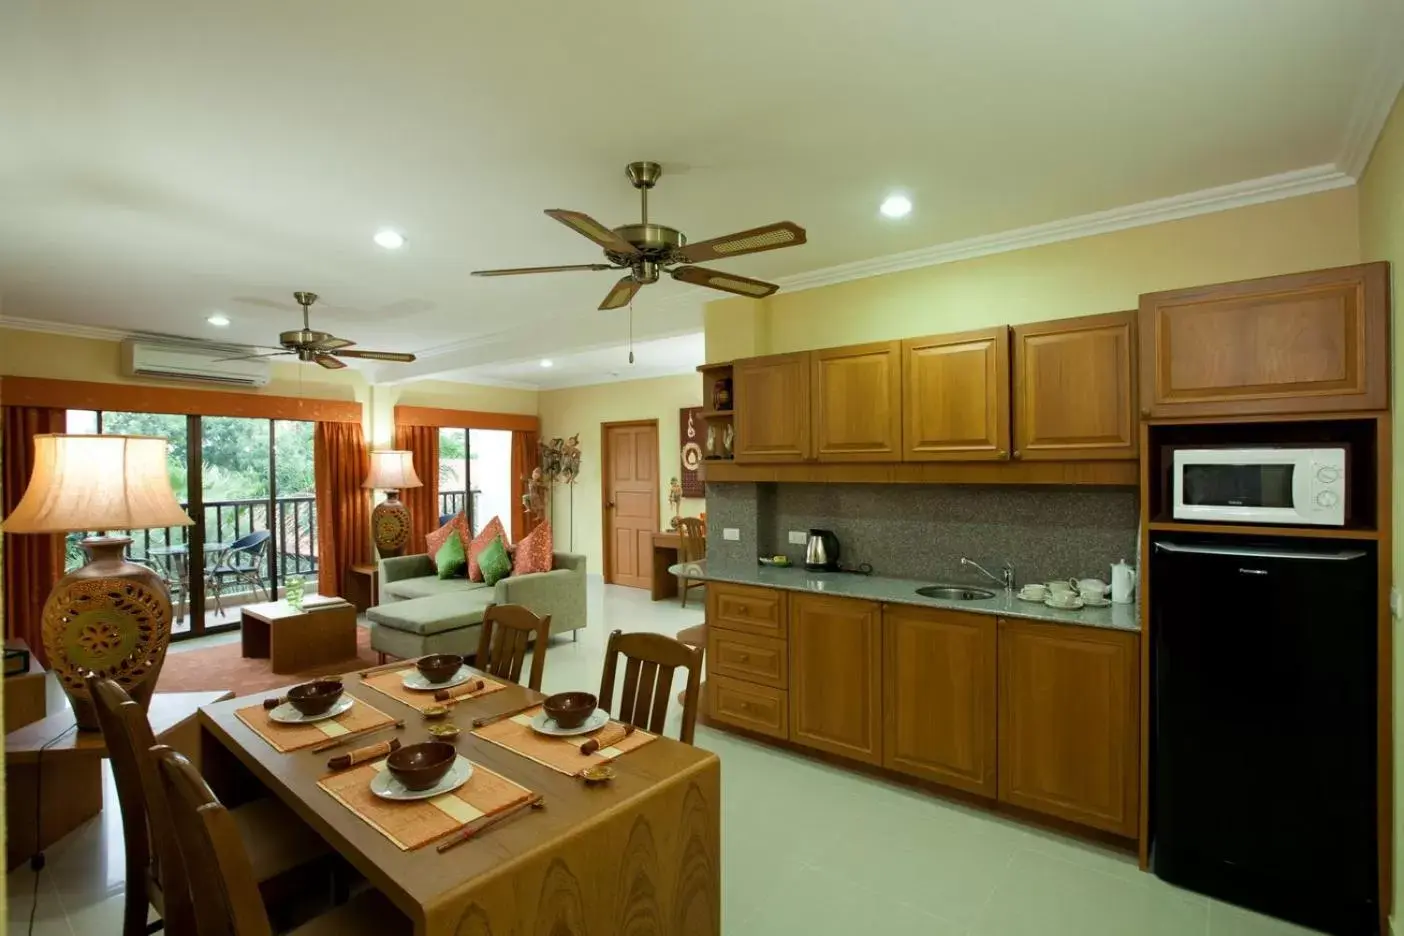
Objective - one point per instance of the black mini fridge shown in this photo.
(1263, 756)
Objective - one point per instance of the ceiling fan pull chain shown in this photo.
(631, 329)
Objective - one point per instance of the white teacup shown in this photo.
(1034, 591)
(1060, 589)
(1090, 594)
(1096, 587)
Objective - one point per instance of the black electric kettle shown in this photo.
(821, 554)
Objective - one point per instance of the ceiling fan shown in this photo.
(646, 250)
(319, 347)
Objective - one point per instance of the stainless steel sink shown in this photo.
(954, 592)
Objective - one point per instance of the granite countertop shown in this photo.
(903, 591)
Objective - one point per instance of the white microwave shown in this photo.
(1261, 485)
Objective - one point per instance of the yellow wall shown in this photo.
(442, 393)
(1382, 238)
(582, 410)
(1079, 277)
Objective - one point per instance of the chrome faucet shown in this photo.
(1006, 578)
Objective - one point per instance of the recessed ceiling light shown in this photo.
(547, 362)
(218, 320)
(896, 206)
(390, 240)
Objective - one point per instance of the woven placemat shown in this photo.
(284, 738)
(391, 683)
(415, 824)
(563, 754)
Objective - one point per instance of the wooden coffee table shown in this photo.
(299, 640)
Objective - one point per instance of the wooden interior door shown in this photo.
(1074, 388)
(630, 502)
(857, 400)
(836, 676)
(955, 396)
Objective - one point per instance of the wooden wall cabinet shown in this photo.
(772, 408)
(1074, 388)
(955, 396)
(1308, 342)
(939, 682)
(836, 676)
(1068, 723)
(856, 395)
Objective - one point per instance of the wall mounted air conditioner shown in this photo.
(146, 358)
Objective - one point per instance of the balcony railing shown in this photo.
(451, 502)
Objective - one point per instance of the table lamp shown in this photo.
(111, 617)
(391, 471)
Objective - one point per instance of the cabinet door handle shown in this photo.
(744, 657)
(740, 609)
(1003, 453)
(1145, 411)
(1016, 453)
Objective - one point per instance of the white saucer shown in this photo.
(1022, 597)
(1071, 605)
(386, 786)
(543, 724)
(288, 715)
(1097, 602)
(415, 680)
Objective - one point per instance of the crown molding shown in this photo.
(1205, 201)
(1380, 89)
(64, 328)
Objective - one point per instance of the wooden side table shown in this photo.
(24, 692)
(362, 586)
(295, 640)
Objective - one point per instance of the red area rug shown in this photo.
(224, 667)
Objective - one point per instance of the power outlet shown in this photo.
(798, 537)
(731, 533)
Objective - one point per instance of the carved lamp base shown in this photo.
(390, 525)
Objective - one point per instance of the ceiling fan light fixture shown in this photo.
(389, 239)
(896, 205)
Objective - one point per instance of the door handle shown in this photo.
(609, 504)
(1253, 571)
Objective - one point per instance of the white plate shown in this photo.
(1096, 602)
(386, 786)
(414, 679)
(1072, 605)
(1022, 597)
(543, 724)
(288, 715)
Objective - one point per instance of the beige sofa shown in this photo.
(421, 613)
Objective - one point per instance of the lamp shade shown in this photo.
(97, 482)
(392, 470)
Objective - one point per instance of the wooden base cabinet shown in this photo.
(836, 676)
(1068, 723)
(939, 682)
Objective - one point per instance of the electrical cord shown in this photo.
(36, 861)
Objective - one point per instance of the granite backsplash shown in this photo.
(921, 531)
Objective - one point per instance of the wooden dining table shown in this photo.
(639, 854)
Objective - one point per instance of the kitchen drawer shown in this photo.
(747, 656)
(747, 609)
(748, 705)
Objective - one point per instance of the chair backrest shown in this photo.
(648, 680)
(502, 644)
(693, 533)
(250, 541)
(146, 822)
(219, 866)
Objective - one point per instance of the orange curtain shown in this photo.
(526, 457)
(423, 502)
(341, 463)
(33, 561)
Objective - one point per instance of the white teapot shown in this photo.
(1123, 582)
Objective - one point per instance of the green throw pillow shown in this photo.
(451, 559)
(494, 561)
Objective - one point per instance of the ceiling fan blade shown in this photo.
(622, 292)
(395, 356)
(329, 362)
(594, 230)
(252, 357)
(551, 269)
(726, 282)
(332, 344)
(770, 237)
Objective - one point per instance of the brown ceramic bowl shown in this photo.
(570, 709)
(314, 698)
(420, 766)
(439, 667)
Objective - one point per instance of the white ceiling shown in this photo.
(160, 160)
(658, 357)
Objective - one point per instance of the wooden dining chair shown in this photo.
(220, 872)
(155, 872)
(692, 535)
(502, 643)
(648, 679)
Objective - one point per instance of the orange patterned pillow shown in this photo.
(492, 531)
(456, 524)
(533, 552)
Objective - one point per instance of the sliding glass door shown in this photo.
(475, 474)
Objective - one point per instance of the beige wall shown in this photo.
(1382, 238)
(582, 410)
(442, 393)
(1080, 277)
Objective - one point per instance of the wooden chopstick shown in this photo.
(483, 823)
(353, 736)
(386, 667)
(494, 719)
